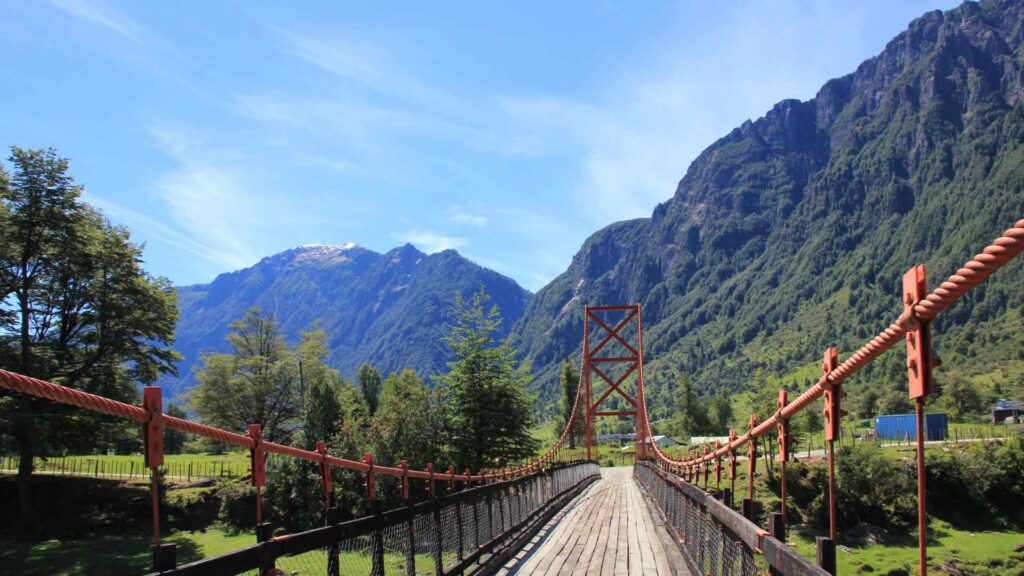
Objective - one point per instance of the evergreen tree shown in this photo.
(174, 441)
(77, 309)
(721, 414)
(295, 494)
(691, 413)
(570, 380)
(491, 411)
(369, 384)
(257, 383)
(321, 386)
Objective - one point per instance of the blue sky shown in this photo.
(510, 131)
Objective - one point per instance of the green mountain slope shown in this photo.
(791, 233)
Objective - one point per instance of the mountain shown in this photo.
(388, 309)
(792, 232)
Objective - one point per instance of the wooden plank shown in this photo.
(622, 549)
(545, 556)
(609, 531)
(595, 508)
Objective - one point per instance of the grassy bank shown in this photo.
(950, 549)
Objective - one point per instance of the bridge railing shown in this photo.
(474, 528)
(715, 539)
(566, 449)
(912, 326)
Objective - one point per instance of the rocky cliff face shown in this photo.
(387, 309)
(790, 233)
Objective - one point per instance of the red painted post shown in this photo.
(920, 362)
(153, 447)
(404, 465)
(588, 397)
(153, 450)
(325, 473)
(832, 414)
(718, 468)
(371, 480)
(707, 466)
(431, 487)
(784, 444)
(732, 466)
(259, 468)
(749, 510)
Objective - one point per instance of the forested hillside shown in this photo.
(391, 310)
(791, 233)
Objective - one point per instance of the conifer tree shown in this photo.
(570, 380)
(370, 383)
(491, 411)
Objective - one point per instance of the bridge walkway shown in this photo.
(608, 529)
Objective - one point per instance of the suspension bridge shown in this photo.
(559, 513)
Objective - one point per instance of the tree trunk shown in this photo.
(23, 431)
(24, 427)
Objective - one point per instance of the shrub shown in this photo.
(873, 489)
(237, 505)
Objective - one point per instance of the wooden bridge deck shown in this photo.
(608, 529)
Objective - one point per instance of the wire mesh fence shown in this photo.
(714, 539)
(453, 534)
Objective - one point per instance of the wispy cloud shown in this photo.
(431, 242)
(474, 220)
(211, 198)
(149, 226)
(100, 13)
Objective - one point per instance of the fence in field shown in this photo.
(130, 469)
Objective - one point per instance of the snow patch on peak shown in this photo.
(329, 247)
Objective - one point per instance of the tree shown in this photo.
(408, 424)
(960, 397)
(865, 403)
(174, 441)
(691, 413)
(257, 383)
(491, 411)
(323, 411)
(295, 495)
(77, 309)
(721, 413)
(570, 380)
(369, 384)
(895, 401)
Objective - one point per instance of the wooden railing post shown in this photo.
(750, 503)
(435, 507)
(920, 362)
(832, 414)
(334, 516)
(784, 445)
(377, 540)
(164, 555)
(826, 554)
(410, 524)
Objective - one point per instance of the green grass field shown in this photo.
(129, 554)
(971, 552)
